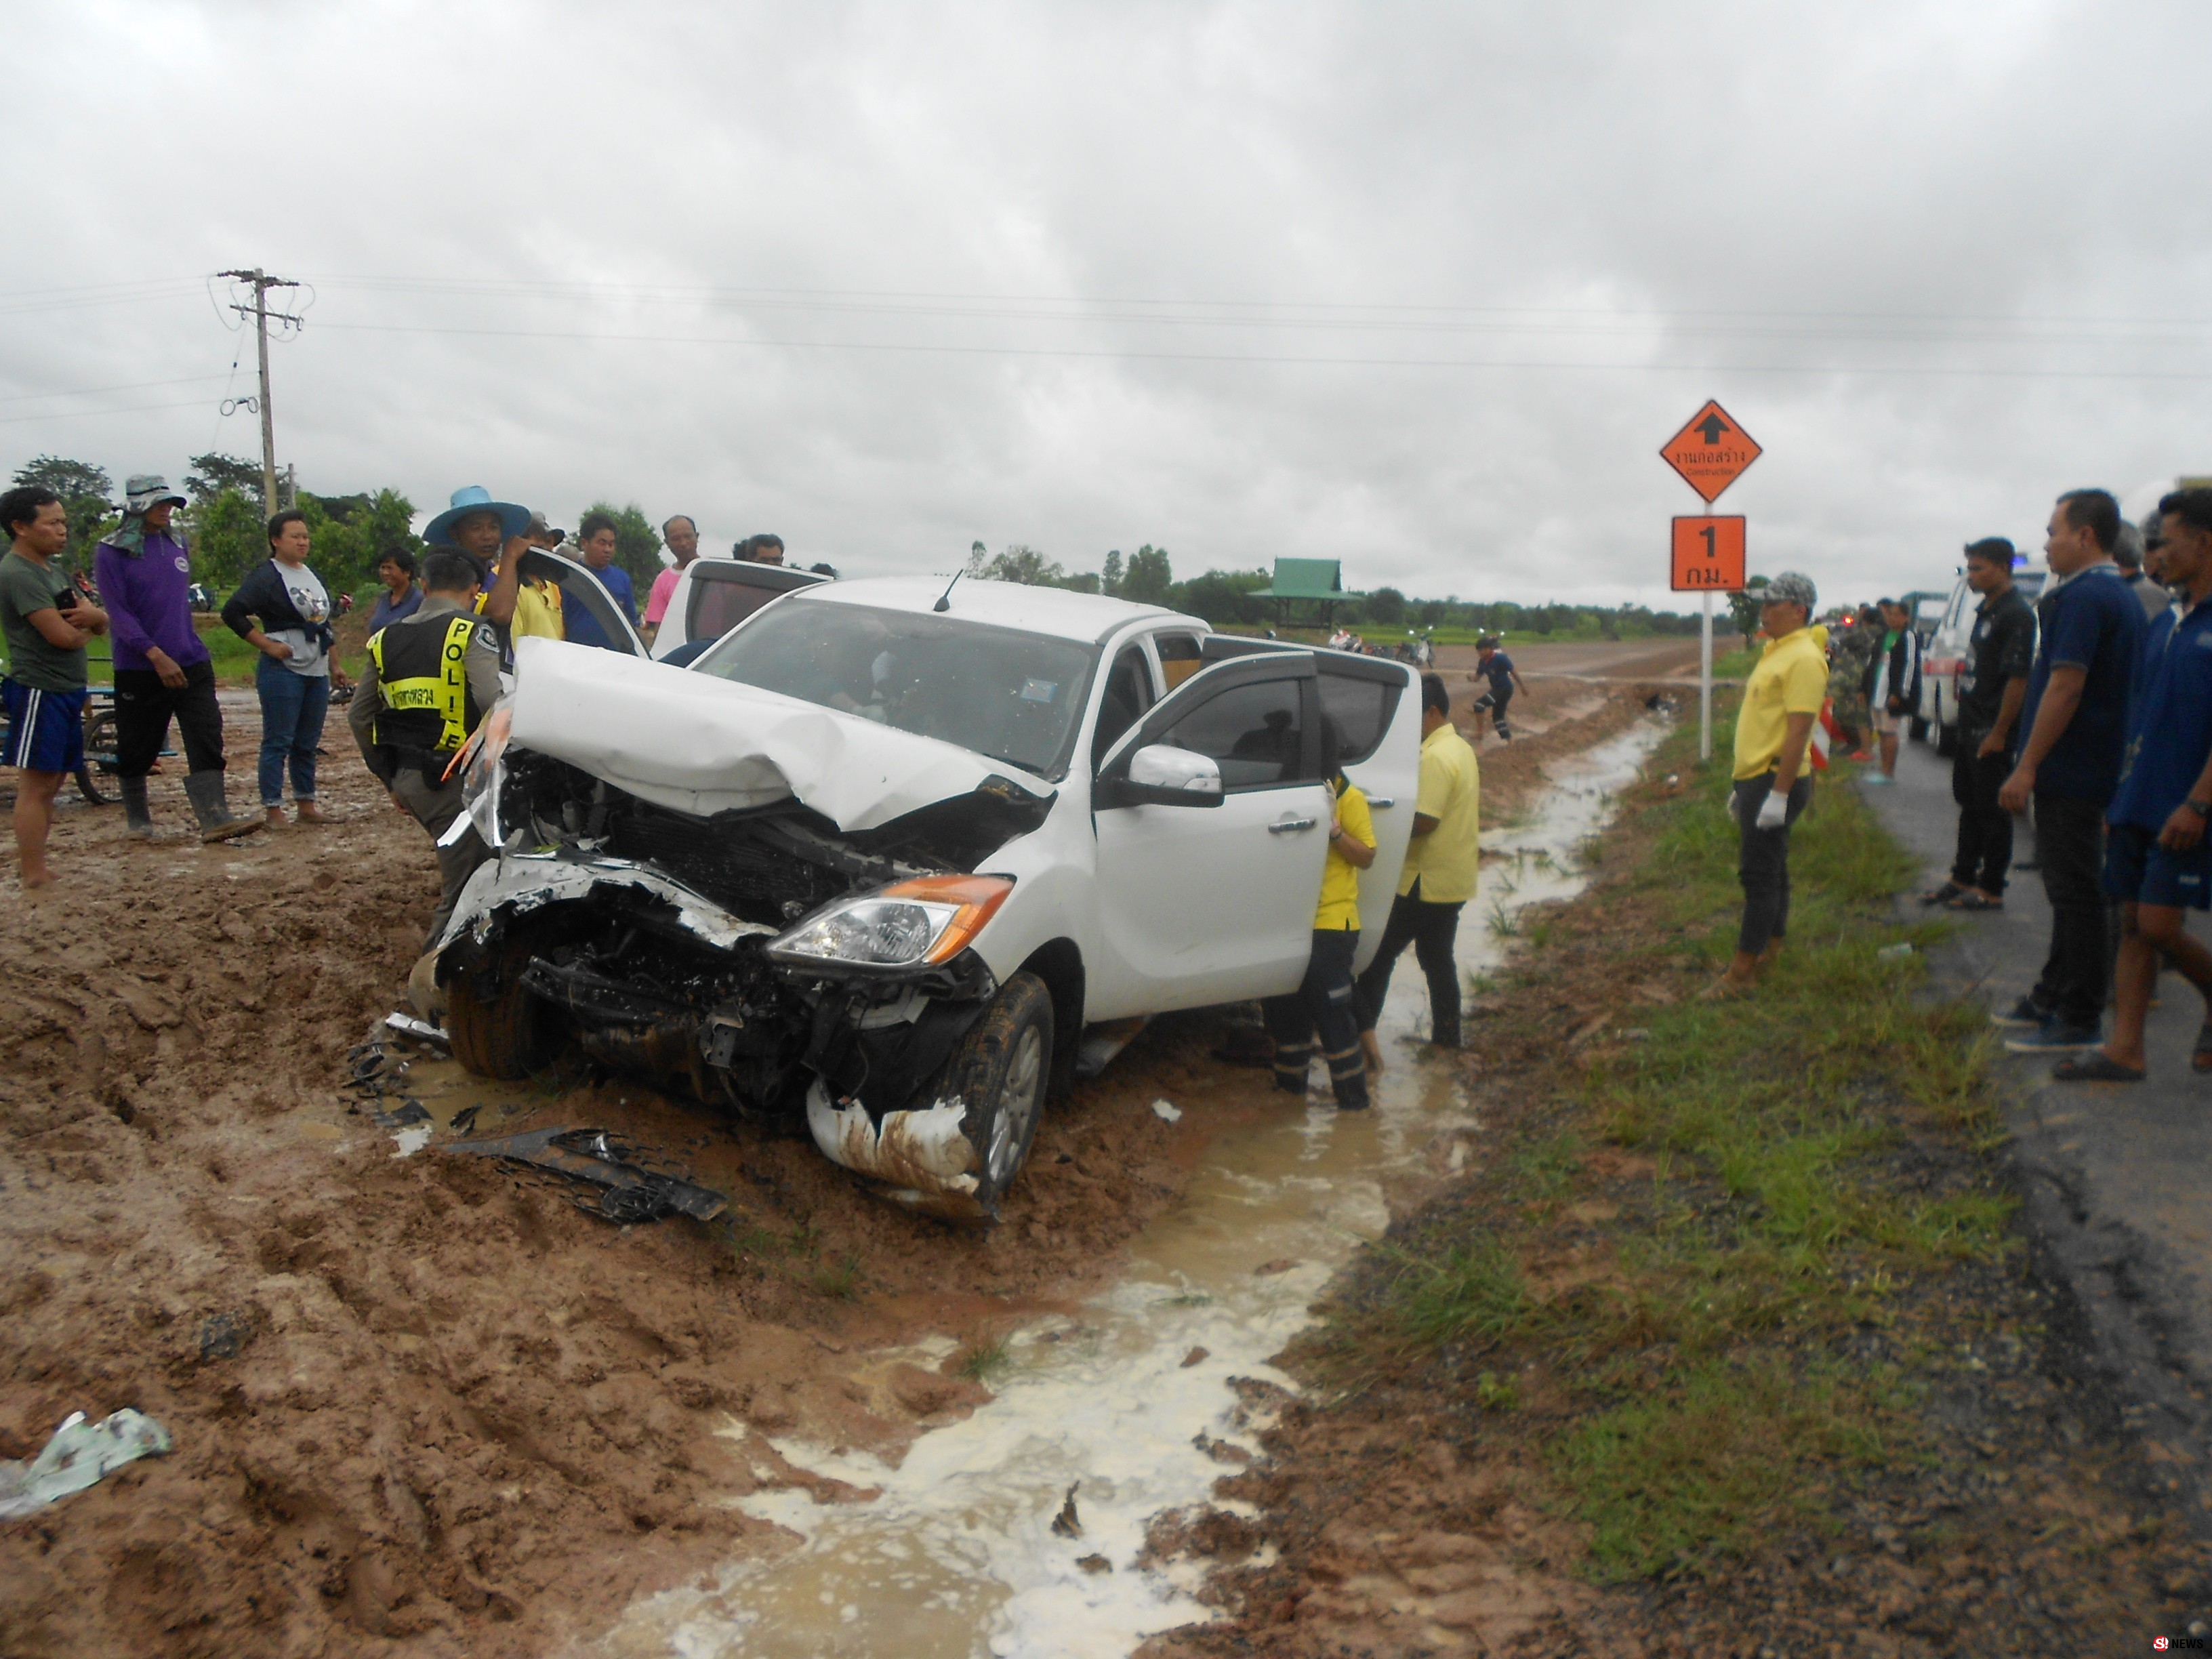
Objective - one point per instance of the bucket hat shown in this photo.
(475, 498)
(143, 490)
(1791, 587)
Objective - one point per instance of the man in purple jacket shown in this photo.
(162, 668)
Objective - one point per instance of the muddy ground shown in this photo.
(417, 1404)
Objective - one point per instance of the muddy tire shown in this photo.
(497, 1029)
(1001, 1070)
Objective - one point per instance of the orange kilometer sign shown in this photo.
(1708, 555)
(1711, 451)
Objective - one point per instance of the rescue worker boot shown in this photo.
(204, 790)
(138, 817)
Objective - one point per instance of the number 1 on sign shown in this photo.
(1708, 554)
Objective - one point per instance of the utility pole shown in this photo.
(259, 312)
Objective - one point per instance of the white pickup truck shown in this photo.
(905, 860)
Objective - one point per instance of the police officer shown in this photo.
(430, 680)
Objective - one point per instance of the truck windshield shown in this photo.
(1005, 694)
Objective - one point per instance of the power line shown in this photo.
(79, 414)
(1914, 371)
(94, 391)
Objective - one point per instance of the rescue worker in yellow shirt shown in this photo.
(430, 680)
(1773, 728)
(1327, 1001)
(1438, 877)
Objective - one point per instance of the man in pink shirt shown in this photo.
(682, 538)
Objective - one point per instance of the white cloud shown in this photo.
(566, 207)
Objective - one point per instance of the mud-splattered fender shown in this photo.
(922, 1157)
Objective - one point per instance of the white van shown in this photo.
(1943, 658)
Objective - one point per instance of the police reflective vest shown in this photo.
(423, 681)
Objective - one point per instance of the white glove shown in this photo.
(1728, 805)
(1774, 811)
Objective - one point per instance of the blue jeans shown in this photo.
(292, 710)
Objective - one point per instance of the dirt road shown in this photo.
(1616, 660)
(416, 1404)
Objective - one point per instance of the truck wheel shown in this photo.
(1001, 1070)
(1947, 740)
(497, 1029)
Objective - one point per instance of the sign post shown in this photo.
(1710, 453)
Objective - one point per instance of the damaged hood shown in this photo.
(700, 745)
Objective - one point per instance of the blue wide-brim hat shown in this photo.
(475, 498)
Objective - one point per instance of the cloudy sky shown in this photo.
(1420, 287)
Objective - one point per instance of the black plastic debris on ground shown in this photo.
(222, 1335)
(603, 1174)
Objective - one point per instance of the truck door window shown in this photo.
(1128, 695)
(1254, 733)
(1179, 657)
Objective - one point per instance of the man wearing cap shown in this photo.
(163, 670)
(495, 534)
(1773, 727)
(1437, 879)
(1992, 689)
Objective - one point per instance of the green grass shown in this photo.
(986, 1355)
(840, 1281)
(1676, 1482)
(1708, 1392)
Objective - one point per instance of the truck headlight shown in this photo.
(908, 924)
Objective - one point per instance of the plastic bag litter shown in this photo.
(1894, 952)
(80, 1455)
(1166, 1112)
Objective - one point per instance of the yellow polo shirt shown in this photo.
(1450, 792)
(537, 610)
(1339, 910)
(1791, 677)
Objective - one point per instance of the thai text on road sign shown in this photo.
(1708, 555)
(1711, 451)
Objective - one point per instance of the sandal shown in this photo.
(1945, 894)
(1973, 900)
(2094, 1068)
(2200, 1057)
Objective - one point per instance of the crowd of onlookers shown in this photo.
(2090, 710)
(141, 597)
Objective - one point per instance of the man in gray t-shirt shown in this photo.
(46, 624)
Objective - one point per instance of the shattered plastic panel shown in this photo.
(922, 1156)
(523, 882)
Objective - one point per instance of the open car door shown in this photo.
(580, 588)
(714, 595)
(1198, 906)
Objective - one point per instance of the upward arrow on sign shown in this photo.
(1711, 451)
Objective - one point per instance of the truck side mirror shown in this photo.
(1160, 775)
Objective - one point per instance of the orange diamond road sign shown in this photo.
(1708, 555)
(1711, 451)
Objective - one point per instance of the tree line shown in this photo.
(226, 526)
(1226, 597)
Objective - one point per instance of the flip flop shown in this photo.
(1970, 900)
(2200, 1057)
(2094, 1067)
(1943, 895)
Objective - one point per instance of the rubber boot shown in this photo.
(138, 817)
(204, 790)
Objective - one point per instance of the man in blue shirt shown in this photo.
(2075, 719)
(2157, 862)
(596, 533)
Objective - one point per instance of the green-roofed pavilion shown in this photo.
(1307, 581)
